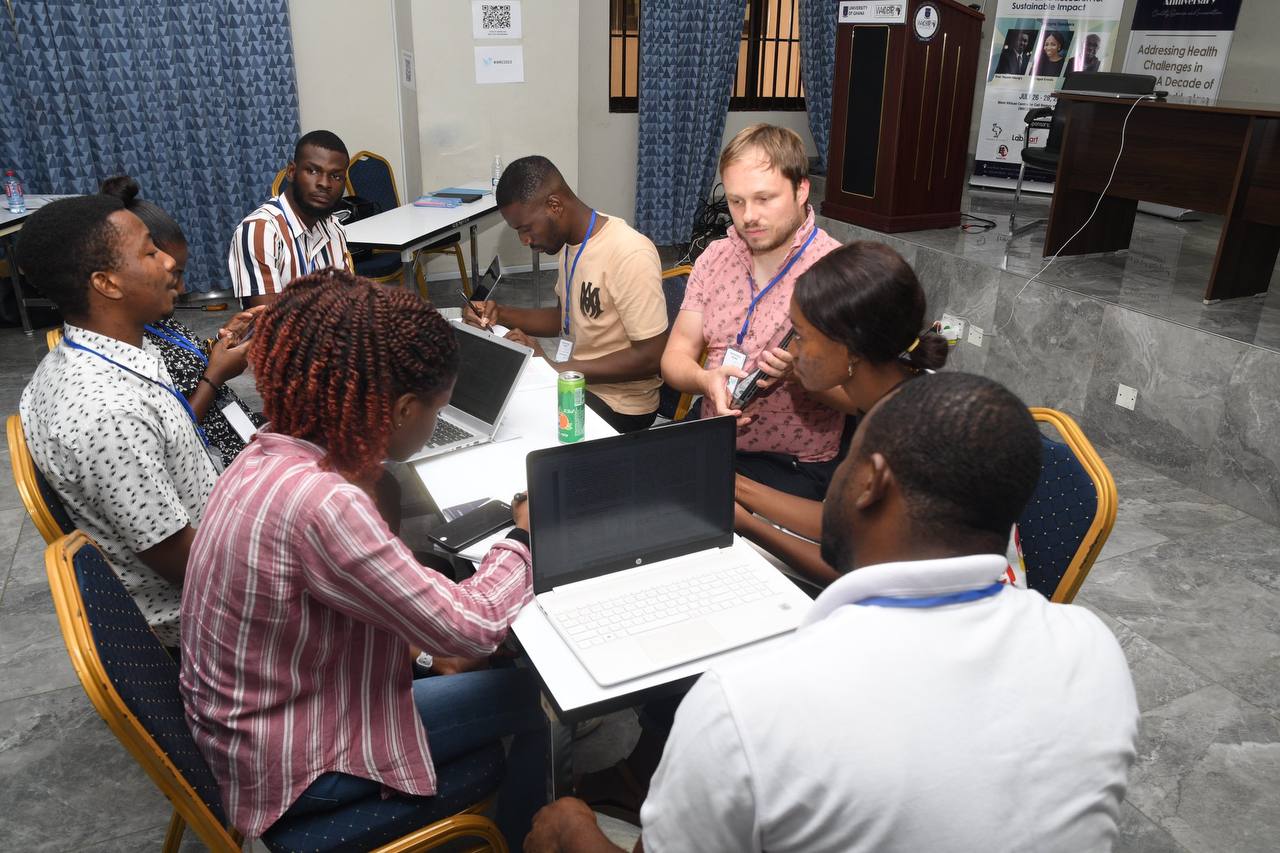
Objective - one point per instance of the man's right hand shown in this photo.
(715, 391)
(483, 315)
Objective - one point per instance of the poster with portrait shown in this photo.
(1035, 43)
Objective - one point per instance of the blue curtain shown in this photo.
(688, 53)
(197, 100)
(817, 67)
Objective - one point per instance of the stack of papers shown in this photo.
(432, 201)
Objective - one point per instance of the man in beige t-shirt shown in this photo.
(611, 318)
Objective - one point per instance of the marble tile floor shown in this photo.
(1190, 586)
(1163, 273)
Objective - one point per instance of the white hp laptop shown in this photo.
(634, 561)
(488, 369)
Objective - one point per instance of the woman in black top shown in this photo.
(1053, 55)
(199, 369)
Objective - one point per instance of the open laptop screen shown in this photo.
(487, 368)
(615, 503)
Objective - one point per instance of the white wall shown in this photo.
(463, 125)
(457, 125)
(607, 141)
(354, 98)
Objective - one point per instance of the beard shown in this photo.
(317, 213)
(784, 235)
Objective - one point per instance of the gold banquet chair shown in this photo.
(133, 683)
(1070, 514)
(41, 501)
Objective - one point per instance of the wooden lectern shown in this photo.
(900, 109)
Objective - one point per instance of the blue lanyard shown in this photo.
(751, 309)
(933, 600)
(191, 413)
(179, 340)
(568, 282)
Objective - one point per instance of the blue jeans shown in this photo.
(462, 713)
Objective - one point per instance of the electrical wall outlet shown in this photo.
(976, 335)
(952, 329)
(1126, 397)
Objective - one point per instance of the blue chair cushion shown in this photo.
(53, 502)
(375, 821)
(673, 293)
(141, 670)
(378, 265)
(372, 179)
(1057, 517)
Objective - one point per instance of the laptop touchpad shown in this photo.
(673, 642)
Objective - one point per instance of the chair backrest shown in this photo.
(42, 502)
(1070, 514)
(281, 183)
(370, 176)
(132, 682)
(1096, 81)
(672, 404)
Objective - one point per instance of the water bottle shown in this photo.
(497, 170)
(13, 193)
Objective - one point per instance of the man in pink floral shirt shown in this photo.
(736, 308)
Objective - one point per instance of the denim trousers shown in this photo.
(462, 713)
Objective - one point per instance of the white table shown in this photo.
(409, 228)
(10, 225)
(497, 470)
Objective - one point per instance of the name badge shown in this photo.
(734, 358)
(564, 350)
(239, 421)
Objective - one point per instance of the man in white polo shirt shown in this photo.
(922, 705)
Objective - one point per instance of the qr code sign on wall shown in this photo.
(495, 19)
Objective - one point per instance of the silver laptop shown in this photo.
(634, 561)
(488, 369)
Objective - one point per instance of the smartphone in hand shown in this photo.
(747, 388)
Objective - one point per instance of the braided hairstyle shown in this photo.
(333, 353)
(865, 296)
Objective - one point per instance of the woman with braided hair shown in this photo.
(300, 604)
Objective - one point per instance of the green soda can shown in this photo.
(571, 387)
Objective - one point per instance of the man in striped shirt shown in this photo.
(294, 233)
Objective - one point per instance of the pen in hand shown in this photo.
(467, 302)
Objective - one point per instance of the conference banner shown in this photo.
(1183, 45)
(1036, 42)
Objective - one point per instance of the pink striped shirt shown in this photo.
(298, 611)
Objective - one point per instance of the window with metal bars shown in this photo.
(768, 74)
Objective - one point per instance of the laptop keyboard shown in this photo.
(447, 433)
(658, 606)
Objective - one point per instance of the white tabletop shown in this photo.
(10, 222)
(408, 224)
(497, 470)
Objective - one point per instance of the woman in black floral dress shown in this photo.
(199, 369)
